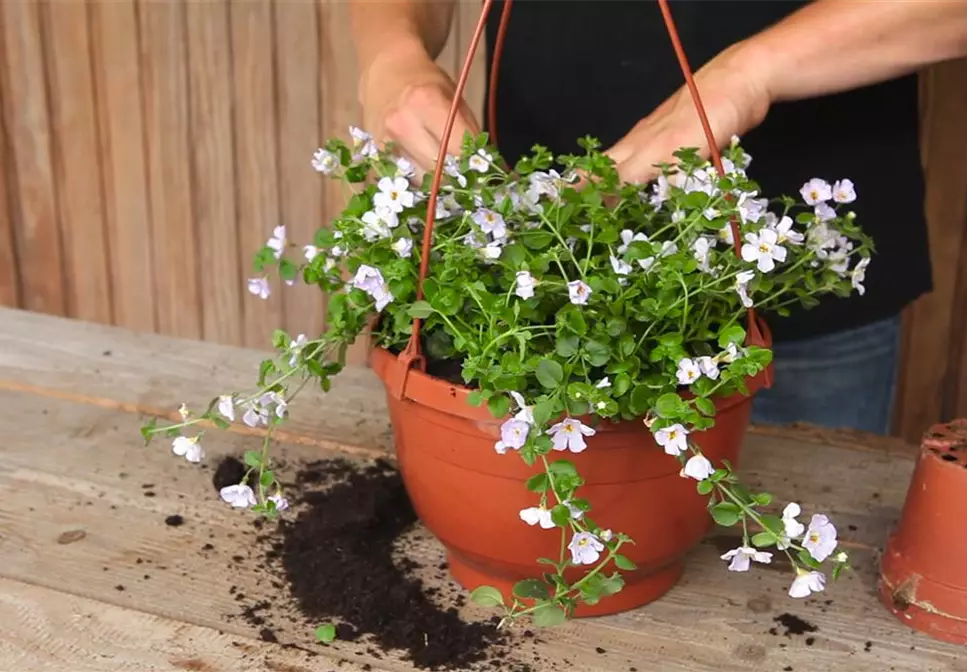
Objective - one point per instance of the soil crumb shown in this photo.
(174, 521)
(794, 625)
(337, 552)
(230, 471)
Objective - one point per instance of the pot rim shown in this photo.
(452, 398)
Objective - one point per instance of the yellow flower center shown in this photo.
(763, 247)
(583, 542)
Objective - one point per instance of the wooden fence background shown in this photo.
(148, 147)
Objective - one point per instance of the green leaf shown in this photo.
(705, 487)
(475, 398)
(543, 411)
(762, 499)
(597, 353)
(486, 596)
(562, 468)
(638, 403)
(326, 633)
(147, 431)
(420, 309)
(669, 405)
(531, 588)
(574, 319)
(499, 405)
(253, 458)
(561, 515)
(538, 482)
(567, 345)
(763, 539)
(549, 373)
(548, 615)
(726, 514)
(705, 406)
(624, 563)
(733, 334)
(808, 560)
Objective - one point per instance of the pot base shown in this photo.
(635, 594)
(901, 601)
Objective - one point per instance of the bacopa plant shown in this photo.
(565, 298)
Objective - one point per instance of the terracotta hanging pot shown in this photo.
(923, 573)
(470, 497)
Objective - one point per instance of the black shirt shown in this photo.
(572, 68)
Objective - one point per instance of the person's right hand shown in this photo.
(406, 98)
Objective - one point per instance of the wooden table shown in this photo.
(75, 524)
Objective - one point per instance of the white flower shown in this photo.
(688, 371)
(701, 248)
(742, 281)
(816, 191)
(239, 496)
(673, 439)
(820, 539)
(844, 191)
(281, 503)
(603, 383)
(526, 413)
(698, 467)
(311, 252)
(295, 347)
(628, 237)
(259, 287)
(824, 212)
(452, 168)
(270, 399)
(743, 556)
(620, 266)
(576, 513)
(569, 435)
(711, 214)
(585, 548)
(393, 194)
(324, 161)
(806, 583)
(792, 528)
(363, 145)
(226, 406)
(708, 367)
(858, 276)
(751, 209)
(513, 435)
(725, 235)
(490, 222)
(537, 515)
(667, 248)
(579, 292)
(524, 287)
(370, 280)
(481, 161)
(764, 249)
(188, 447)
(491, 251)
(375, 224)
(403, 247)
(404, 167)
(183, 411)
(786, 234)
(255, 415)
(730, 354)
(606, 535)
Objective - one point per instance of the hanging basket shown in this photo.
(469, 496)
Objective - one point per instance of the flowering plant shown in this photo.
(560, 293)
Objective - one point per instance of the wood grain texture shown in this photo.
(256, 176)
(75, 130)
(27, 126)
(164, 81)
(117, 75)
(89, 491)
(934, 331)
(220, 277)
(9, 273)
(300, 187)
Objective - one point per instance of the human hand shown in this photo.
(406, 98)
(735, 94)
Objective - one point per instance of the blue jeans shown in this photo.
(842, 380)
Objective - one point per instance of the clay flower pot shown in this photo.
(470, 497)
(923, 573)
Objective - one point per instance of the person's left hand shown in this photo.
(736, 99)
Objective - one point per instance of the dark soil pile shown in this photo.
(338, 557)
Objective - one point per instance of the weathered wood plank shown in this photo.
(300, 187)
(50, 631)
(712, 621)
(117, 78)
(165, 101)
(9, 272)
(256, 161)
(213, 171)
(76, 168)
(27, 125)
